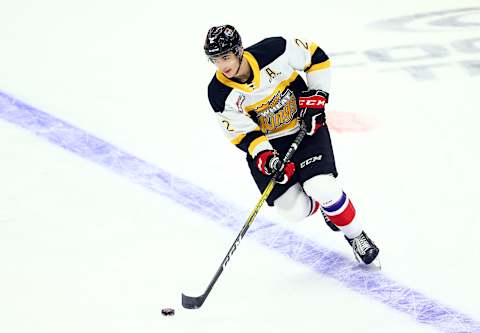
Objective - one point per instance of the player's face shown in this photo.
(227, 64)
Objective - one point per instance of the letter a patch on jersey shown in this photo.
(272, 74)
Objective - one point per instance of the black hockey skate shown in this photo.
(329, 223)
(363, 248)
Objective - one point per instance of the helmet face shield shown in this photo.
(236, 52)
(213, 58)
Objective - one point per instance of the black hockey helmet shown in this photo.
(221, 40)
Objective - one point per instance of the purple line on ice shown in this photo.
(373, 284)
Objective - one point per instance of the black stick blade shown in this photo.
(189, 302)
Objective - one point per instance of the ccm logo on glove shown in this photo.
(314, 102)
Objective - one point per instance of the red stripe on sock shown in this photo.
(316, 204)
(345, 218)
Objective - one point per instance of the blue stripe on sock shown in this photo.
(337, 205)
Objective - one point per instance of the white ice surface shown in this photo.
(83, 249)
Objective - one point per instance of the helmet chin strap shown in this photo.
(240, 58)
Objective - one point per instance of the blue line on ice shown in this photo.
(373, 284)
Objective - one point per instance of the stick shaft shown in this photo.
(196, 302)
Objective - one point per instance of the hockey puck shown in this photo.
(168, 312)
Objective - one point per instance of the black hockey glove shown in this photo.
(268, 162)
(312, 109)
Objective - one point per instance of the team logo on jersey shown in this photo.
(277, 112)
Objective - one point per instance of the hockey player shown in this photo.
(259, 99)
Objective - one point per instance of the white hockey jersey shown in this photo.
(266, 107)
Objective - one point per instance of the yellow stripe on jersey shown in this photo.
(255, 143)
(280, 88)
(312, 48)
(243, 86)
(322, 65)
(240, 137)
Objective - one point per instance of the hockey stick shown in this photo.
(190, 302)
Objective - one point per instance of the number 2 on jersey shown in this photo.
(301, 44)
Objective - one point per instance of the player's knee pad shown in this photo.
(335, 203)
(324, 188)
(294, 204)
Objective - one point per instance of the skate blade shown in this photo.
(376, 264)
(372, 267)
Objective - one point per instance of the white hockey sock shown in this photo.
(335, 203)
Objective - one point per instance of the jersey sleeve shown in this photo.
(239, 128)
(243, 132)
(310, 58)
